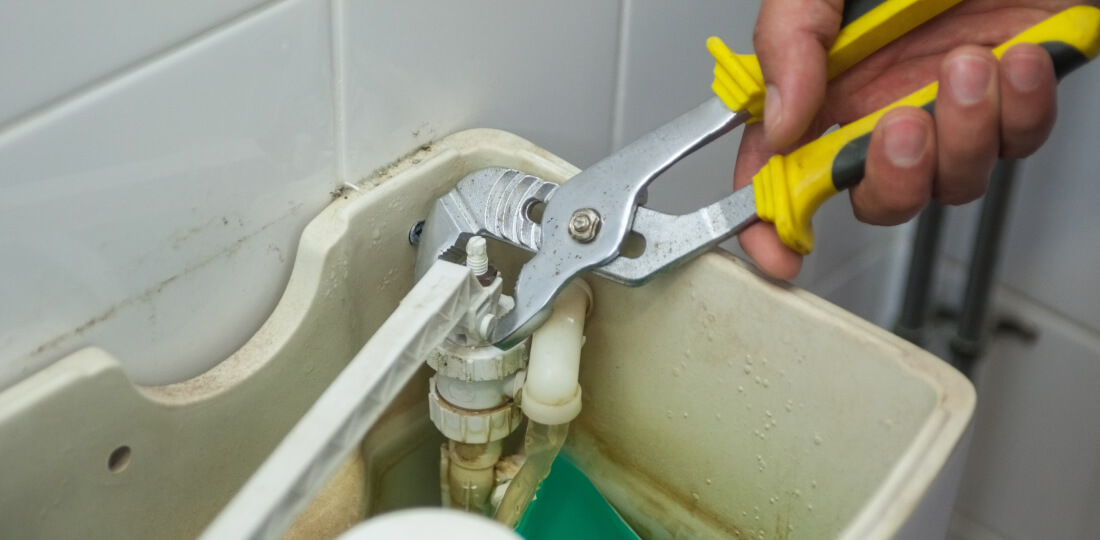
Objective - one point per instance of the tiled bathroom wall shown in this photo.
(1034, 470)
(152, 188)
(158, 162)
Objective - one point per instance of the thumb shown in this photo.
(792, 39)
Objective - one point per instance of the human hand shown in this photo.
(985, 109)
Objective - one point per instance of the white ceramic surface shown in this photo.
(544, 71)
(157, 215)
(56, 49)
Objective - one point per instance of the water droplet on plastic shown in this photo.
(708, 481)
(675, 372)
(668, 414)
(817, 439)
(685, 415)
(810, 507)
(695, 496)
(741, 389)
(748, 369)
(767, 383)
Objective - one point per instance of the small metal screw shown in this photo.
(415, 231)
(584, 225)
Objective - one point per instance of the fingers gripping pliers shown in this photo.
(587, 220)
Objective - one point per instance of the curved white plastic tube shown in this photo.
(551, 394)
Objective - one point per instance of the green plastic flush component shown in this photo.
(568, 506)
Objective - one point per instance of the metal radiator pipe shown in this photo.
(970, 338)
(918, 285)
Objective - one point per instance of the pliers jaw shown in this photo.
(585, 221)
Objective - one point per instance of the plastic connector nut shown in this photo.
(473, 427)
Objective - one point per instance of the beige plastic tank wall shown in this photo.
(717, 403)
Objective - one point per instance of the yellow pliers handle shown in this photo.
(789, 189)
(866, 26)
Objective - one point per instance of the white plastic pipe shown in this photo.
(551, 394)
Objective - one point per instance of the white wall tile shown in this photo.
(1034, 467)
(48, 49)
(157, 216)
(417, 71)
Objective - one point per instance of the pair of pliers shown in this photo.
(587, 220)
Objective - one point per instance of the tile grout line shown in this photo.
(339, 105)
(1018, 302)
(89, 90)
(618, 110)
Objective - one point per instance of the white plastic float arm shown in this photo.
(333, 427)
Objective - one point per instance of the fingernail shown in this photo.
(773, 108)
(905, 142)
(968, 78)
(1024, 70)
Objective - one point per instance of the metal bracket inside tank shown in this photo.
(495, 202)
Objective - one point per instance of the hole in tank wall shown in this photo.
(119, 459)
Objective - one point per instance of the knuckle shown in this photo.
(958, 193)
(903, 208)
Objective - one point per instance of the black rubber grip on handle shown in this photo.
(854, 9)
(848, 165)
(1066, 57)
